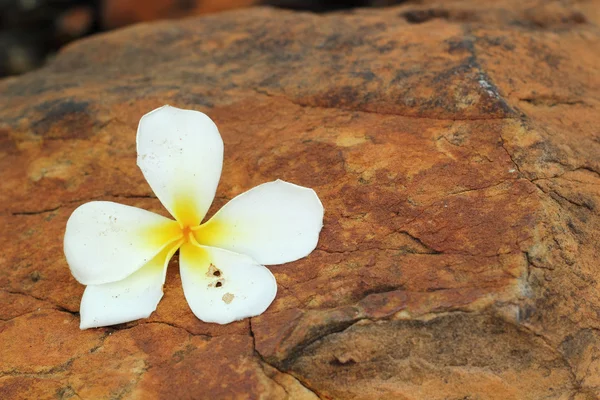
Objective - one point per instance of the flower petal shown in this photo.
(180, 153)
(132, 298)
(274, 223)
(106, 242)
(221, 286)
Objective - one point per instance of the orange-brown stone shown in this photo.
(454, 145)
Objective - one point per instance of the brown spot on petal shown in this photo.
(213, 271)
(228, 297)
(218, 283)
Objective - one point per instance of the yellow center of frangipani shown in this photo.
(185, 210)
(172, 235)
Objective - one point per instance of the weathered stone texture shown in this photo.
(455, 146)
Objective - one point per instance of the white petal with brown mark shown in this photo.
(221, 286)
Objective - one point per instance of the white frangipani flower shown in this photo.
(121, 253)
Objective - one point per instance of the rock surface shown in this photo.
(455, 146)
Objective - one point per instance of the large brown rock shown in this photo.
(455, 146)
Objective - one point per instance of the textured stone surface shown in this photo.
(455, 146)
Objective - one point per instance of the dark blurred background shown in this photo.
(31, 31)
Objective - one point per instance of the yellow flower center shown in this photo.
(188, 234)
(188, 228)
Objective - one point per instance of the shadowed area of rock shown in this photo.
(455, 147)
